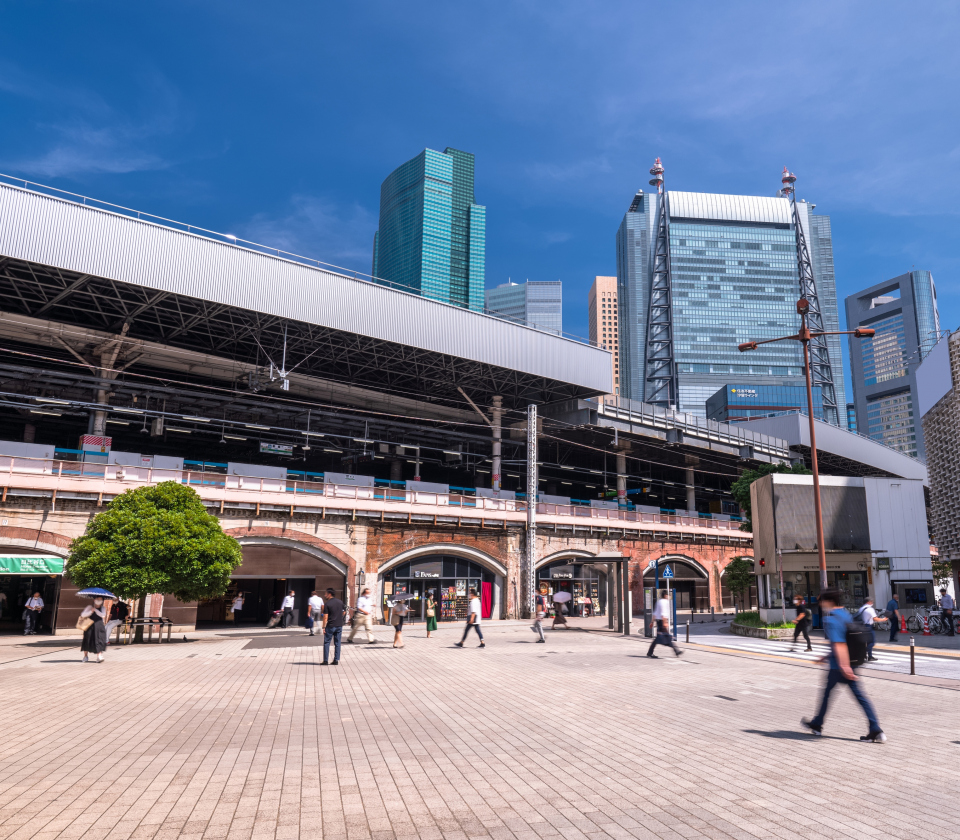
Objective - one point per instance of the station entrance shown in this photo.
(268, 573)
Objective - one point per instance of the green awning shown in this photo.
(25, 564)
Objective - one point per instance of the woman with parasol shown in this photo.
(399, 612)
(559, 599)
(91, 622)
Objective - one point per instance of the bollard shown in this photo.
(688, 632)
(913, 668)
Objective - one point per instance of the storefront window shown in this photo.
(448, 579)
(585, 583)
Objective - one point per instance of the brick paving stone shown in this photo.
(581, 738)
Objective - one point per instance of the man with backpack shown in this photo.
(867, 616)
(848, 650)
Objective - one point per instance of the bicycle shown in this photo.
(915, 621)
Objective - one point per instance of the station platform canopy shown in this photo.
(98, 267)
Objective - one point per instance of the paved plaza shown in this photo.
(245, 735)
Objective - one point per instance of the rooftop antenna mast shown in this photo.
(821, 371)
(660, 369)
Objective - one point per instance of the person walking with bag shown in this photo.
(94, 630)
(118, 614)
(868, 615)
(399, 613)
(893, 615)
(431, 613)
(333, 616)
(287, 607)
(947, 605)
(802, 622)
(473, 619)
(314, 611)
(363, 616)
(661, 621)
(540, 613)
(836, 624)
(31, 614)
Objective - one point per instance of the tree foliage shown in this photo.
(155, 539)
(739, 577)
(942, 572)
(740, 489)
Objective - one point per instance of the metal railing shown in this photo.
(56, 478)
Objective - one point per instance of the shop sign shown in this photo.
(23, 565)
(562, 573)
(277, 448)
(883, 564)
(426, 570)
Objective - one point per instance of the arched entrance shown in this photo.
(450, 571)
(573, 573)
(690, 580)
(272, 567)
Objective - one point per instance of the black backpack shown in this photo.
(858, 635)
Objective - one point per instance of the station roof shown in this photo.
(99, 267)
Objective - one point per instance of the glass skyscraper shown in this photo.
(734, 278)
(432, 234)
(903, 311)
(536, 303)
(736, 403)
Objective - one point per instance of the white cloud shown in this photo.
(320, 228)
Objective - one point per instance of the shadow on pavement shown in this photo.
(790, 735)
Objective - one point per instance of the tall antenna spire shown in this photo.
(660, 369)
(821, 371)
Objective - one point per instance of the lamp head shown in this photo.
(747, 345)
(803, 306)
(864, 332)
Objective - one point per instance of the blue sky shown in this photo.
(279, 121)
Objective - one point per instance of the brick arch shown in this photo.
(35, 540)
(287, 536)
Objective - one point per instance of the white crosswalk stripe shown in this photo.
(783, 649)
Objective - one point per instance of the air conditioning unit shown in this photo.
(156, 427)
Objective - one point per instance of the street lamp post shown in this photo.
(804, 336)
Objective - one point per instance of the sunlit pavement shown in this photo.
(242, 735)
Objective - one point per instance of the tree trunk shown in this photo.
(141, 611)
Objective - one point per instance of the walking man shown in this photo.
(287, 607)
(803, 623)
(868, 615)
(893, 614)
(835, 623)
(661, 626)
(363, 616)
(333, 613)
(947, 605)
(473, 619)
(31, 614)
(540, 613)
(314, 610)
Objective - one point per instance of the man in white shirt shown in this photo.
(868, 615)
(947, 605)
(473, 619)
(287, 607)
(661, 626)
(33, 607)
(363, 617)
(314, 610)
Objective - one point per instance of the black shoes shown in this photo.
(874, 737)
(336, 662)
(540, 641)
(324, 663)
(872, 659)
(652, 656)
(459, 644)
(814, 729)
(677, 651)
(483, 644)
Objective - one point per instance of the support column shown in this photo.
(691, 490)
(529, 565)
(497, 438)
(396, 470)
(108, 353)
(621, 479)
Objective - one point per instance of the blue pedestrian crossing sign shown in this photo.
(668, 572)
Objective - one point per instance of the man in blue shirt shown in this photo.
(893, 613)
(835, 621)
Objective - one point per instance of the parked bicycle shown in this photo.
(916, 621)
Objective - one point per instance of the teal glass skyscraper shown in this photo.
(432, 234)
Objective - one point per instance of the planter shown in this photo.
(762, 632)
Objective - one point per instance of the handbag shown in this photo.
(394, 618)
(431, 612)
(84, 623)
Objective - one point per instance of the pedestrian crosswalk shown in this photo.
(785, 648)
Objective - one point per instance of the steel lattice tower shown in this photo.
(660, 369)
(821, 371)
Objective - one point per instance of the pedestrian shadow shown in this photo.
(790, 735)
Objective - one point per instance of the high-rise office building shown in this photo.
(733, 278)
(605, 322)
(536, 303)
(851, 417)
(739, 403)
(432, 234)
(903, 311)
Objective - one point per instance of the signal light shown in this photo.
(762, 562)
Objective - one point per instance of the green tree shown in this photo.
(740, 489)
(739, 577)
(155, 539)
(942, 573)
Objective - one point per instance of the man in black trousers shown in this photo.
(333, 615)
(803, 623)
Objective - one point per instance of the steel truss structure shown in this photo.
(660, 369)
(821, 371)
(255, 338)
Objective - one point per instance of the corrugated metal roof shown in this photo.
(737, 208)
(52, 231)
